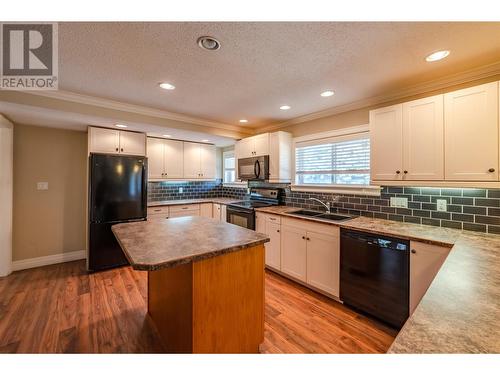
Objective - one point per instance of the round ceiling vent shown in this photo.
(208, 43)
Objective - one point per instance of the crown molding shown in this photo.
(467, 76)
(137, 109)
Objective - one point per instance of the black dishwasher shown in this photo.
(374, 275)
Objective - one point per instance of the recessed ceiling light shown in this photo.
(438, 55)
(120, 126)
(285, 107)
(167, 86)
(205, 140)
(327, 93)
(243, 120)
(209, 43)
(167, 135)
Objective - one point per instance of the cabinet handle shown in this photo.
(157, 210)
(277, 230)
(405, 172)
(413, 251)
(491, 170)
(398, 172)
(117, 149)
(122, 149)
(303, 237)
(308, 239)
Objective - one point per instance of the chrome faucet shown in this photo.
(327, 205)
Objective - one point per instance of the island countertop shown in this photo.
(154, 245)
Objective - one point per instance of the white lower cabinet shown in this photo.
(293, 252)
(206, 210)
(216, 211)
(323, 261)
(223, 213)
(273, 247)
(184, 210)
(425, 262)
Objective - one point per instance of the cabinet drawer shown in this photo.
(311, 226)
(184, 213)
(185, 207)
(158, 210)
(276, 219)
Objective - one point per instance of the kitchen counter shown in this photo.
(174, 202)
(460, 312)
(153, 245)
(205, 282)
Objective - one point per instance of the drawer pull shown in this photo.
(491, 170)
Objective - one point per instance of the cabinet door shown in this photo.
(423, 139)
(206, 210)
(323, 262)
(156, 168)
(260, 223)
(273, 247)
(261, 144)
(106, 141)
(244, 148)
(191, 160)
(471, 133)
(173, 154)
(293, 252)
(216, 211)
(207, 161)
(223, 213)
(132, 143)
(280, 157)
(386, 140)
(425, 262)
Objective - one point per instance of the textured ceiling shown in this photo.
(261, 66)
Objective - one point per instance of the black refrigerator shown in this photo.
(117, 194)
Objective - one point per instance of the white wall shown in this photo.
(6, 195)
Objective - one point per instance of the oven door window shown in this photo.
(236, 219)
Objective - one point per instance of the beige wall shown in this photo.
(53, 221)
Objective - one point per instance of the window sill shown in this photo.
(339, 189)
(241, 184)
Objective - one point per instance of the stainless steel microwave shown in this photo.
(256, 168)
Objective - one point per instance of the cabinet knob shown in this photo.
(117, 149)
(413, 251)
(303, 237)
(122, 149)
(405, 172)
(398, 172)
(278, 230)
(491, 170)
(308, 239)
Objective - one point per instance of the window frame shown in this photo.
(369, 189)
(234, 183)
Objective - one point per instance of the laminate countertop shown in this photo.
(154, 245)
(460, 312)
(176, 202)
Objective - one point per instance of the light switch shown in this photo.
(42, 186)
(399, 202)
(441, 204)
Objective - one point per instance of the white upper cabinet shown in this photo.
(156, 167)
(132, 143)
(191, 160)
(165, 159)
(207, 161)
(199, 161)
(111, 141)
(261, 144)
(257, 145)
(471, 133)
(386, 140)
(423, 139)
(173, 154)
(106, 141)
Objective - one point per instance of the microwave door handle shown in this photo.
(256, 169)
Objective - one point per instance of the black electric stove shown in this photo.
(243, 213)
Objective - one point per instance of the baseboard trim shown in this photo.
(47, 260)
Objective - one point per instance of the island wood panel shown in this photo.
(215, 305)
(109, 315)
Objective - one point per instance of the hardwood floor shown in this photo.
(63, 309)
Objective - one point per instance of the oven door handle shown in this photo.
(256, 167)
(234, 210)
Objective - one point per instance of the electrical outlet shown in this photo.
(441, 204)
(42, 186)
(399, 202)
(181, 190)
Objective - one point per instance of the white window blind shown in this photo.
(229, 167)
(333, 161)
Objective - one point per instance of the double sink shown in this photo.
(320, 215)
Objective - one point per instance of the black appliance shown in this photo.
(374, 275)
(252, 169)
(243, 213)
(117, 194)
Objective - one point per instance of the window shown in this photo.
(229, 164)
(342, 160)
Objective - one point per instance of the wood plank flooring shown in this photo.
(63, 309)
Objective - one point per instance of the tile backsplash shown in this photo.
(469, 209)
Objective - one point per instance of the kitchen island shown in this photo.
(205, 282)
